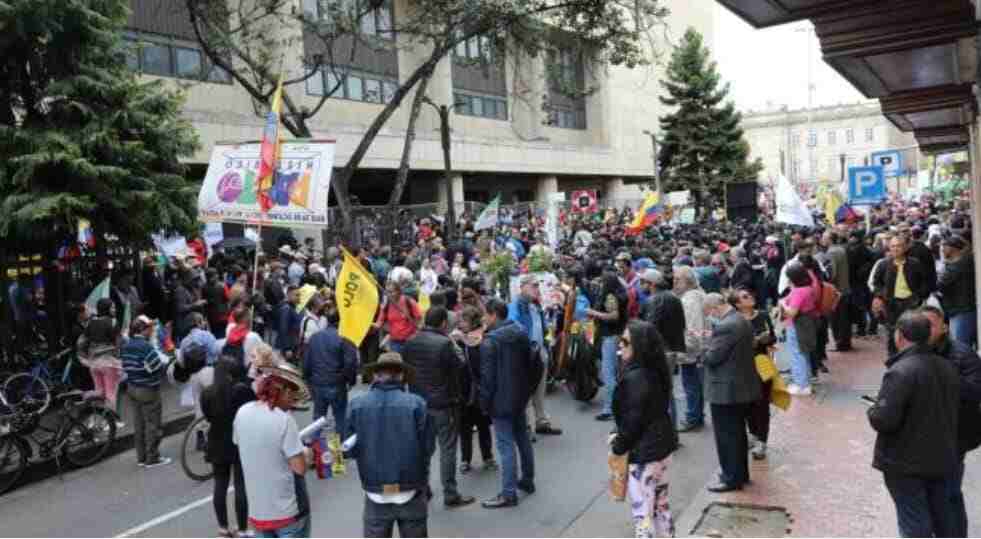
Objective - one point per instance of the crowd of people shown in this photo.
(453, 350)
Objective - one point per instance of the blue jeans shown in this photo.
(964, 328)
(300, 528)
(608, 370)
(692, 379)
(511, 431)
(395, 346)
(800, 365)
(334, 398)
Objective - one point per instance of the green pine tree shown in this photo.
(702, 145)
(80, 135)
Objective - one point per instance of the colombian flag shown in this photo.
(647, 214)
(269, 151)
(847, 214)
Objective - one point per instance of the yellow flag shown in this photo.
(424, 303)
(357, 299)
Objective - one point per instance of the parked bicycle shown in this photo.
(31, 391)
(194, 450)
(82, 433)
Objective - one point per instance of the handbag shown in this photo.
(618, 476)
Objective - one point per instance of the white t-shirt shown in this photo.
(266, 439)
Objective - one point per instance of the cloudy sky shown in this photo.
(770, 65)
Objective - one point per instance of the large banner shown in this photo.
(299, 193)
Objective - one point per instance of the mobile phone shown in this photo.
(867, 399)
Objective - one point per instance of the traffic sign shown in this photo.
(866, 185)
(891, 162)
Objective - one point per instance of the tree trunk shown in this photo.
(410, 136)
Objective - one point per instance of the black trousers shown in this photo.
(731, 441)
(820, 354)
(894, 309)
(470, 418)
(224, 472)
(758, 420)
(841, 322)
(412, 517)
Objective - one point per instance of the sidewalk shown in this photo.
(819, 466)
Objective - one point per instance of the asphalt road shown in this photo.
(116, 497)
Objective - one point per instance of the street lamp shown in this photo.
(444, 132)
(657, 174)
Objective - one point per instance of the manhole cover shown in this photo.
(737, 520)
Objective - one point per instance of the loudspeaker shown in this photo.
(741, 201)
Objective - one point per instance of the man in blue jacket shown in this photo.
(505, 387)
(526, 310)
(393, 445)
(329, 366)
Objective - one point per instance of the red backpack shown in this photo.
(828, 298)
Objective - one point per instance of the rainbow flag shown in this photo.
(269, 151)
(647, 214)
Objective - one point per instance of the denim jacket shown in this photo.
(395, 438)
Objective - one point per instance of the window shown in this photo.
(566, 63)
(870, 134)
(567, 118)
(493, 107)
(850, 136)
(356, 85)
(832, 137)
(812, 138)
(474, 48)
(376, 23)
(189, 63)
(795, 139)
(163, 57)
(156, 59)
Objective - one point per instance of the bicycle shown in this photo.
(194, 449)
(31, 391)
(82, 435)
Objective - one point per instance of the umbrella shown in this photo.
(235, 243)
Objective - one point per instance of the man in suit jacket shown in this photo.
(731, 385)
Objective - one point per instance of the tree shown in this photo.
(702, 145)
(80, 136)
(249, 39)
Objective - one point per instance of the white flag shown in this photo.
(488, 217)
(790, 208)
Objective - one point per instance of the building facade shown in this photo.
(523, 149)
(808, 144)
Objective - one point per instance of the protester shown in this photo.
(900, 284)
(799, 313)
(666, 313)
(438, 366)
(916, 418)
(274, 461)
(957, 289)
(731, 386)
(145, 370)
(99, 351)
(610, 322)
(399, 315)
(644, 428)
(764, 337)
(692, 370)
(468, 336)
(526, 310)
(220, 402)
(330, 366)
(505, 388)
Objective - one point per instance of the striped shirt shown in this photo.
(142, 363)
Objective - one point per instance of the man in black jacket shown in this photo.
(956, 285)
(900, 284)
(923, 254)
(860, 260)
(438, 367)
(916, 418)
(505, 388)
(968, 365)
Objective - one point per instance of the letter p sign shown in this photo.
(866, 185)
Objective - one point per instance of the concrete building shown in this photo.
(807, 144)
(499, 143)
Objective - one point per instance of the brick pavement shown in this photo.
(820, 454)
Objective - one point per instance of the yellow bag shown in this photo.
(618, 476)
(767, 370)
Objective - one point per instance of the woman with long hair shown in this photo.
(764, 337)
(644, 428)
(798, 309)
(468, 334)
(99, 351)
(220, 402)
(611, 319)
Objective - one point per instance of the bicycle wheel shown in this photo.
(27, 393)
(194, 451)
(13, 461)
(89, 437)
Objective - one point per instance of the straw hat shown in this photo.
(390, 360)
(291, 374)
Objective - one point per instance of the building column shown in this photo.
(457, 180)
(975, 186)
(546, 185)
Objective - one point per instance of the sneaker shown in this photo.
(526, 486)
(759, 452)
(604, 417)
(162, 461)
(797, 390)
(465, 467)
(500, 501)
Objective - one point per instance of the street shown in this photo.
(115, 497)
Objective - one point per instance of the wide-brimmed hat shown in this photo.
(390, 360)
(289, 373)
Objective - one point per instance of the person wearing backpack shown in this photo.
(401, 313)
(526, 310)
(841, 324)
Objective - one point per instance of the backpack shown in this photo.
(828, 299)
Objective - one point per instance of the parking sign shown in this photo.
(891, 162)
(866, 185)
